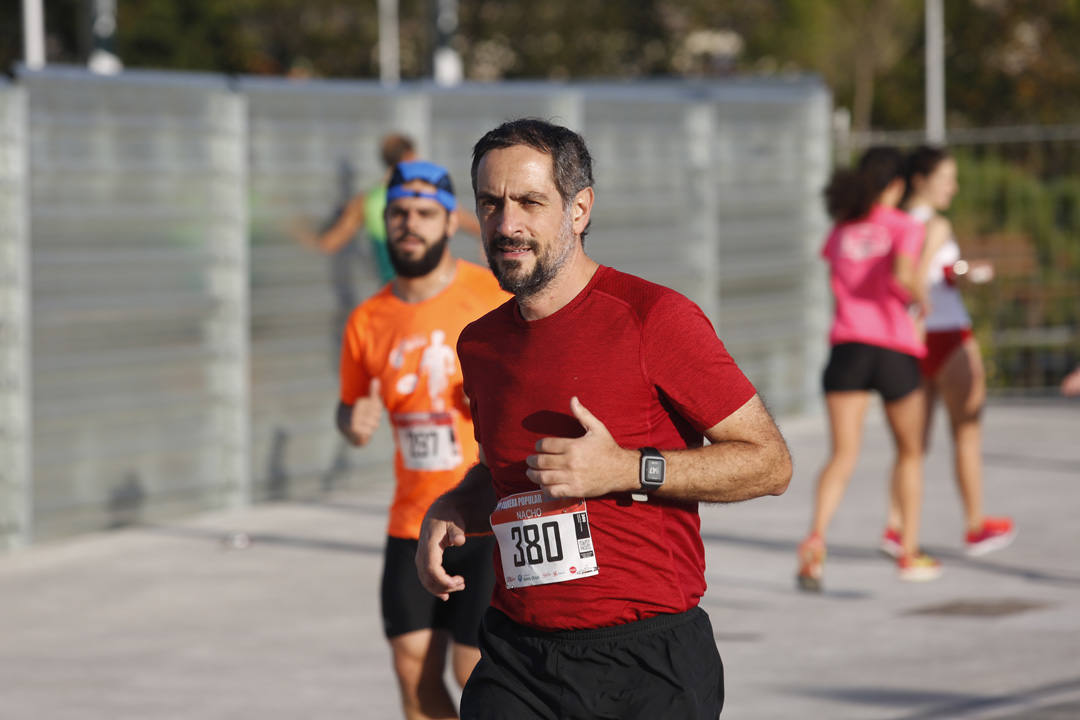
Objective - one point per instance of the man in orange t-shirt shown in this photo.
(399, 352)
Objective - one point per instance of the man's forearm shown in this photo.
(338, 234)
(748, 458)
(730, 471)
(473, 499)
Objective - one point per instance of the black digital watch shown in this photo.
(651, 472)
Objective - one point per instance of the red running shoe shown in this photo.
(995, 533)
(891, 543)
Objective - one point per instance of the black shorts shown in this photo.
(857, 366)
(407, 606)
(663, 667)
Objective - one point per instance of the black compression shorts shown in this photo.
(407, 606)
(662, 667)
(857, 366)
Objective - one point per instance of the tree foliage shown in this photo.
(1014, 62)
(850, 42)
(1008, 61)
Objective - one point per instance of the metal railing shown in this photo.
(179, 345)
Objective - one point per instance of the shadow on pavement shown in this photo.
(233, 539)
(369, 509)
(946, 705)
(1028, 462)
(1038, 695)
(851, 552)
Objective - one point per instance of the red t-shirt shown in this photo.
(644, 360)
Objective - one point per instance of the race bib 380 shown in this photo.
(543, 540)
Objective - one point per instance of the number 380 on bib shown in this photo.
(543, 540)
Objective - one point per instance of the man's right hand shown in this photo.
(442, 528)
(363, 416)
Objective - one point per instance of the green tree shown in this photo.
(586, 38)
(853, 44)
(1013, 62)
(1007, 62)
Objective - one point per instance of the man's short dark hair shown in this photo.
(570, 160)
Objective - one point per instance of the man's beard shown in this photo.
(547, 266)
(420, 266)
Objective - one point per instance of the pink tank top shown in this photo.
(871, 307)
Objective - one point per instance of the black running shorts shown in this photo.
(857, 366)
(663, 667)
(407, 606)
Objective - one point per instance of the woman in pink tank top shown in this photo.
(873, 253)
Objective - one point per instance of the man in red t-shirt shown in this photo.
(592, 392)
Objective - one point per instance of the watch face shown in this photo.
(654, 471)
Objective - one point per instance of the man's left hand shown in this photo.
(586, 466)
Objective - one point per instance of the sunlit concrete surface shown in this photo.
(273, 612)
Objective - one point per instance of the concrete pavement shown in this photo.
(180, 620)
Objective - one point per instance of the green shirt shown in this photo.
(375, 227)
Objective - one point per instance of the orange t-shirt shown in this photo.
(411, 349)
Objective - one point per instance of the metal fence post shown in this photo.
(412, 116)
(16, 475)
(817, 164)
(700, 127)
(228, 329)
(568, 109)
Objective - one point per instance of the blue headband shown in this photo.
(427, 172)
(441, 196)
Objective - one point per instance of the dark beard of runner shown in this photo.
(422, 265)
(546, 268)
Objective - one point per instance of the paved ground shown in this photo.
(173, 621)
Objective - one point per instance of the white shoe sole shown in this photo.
(991, 544)
(920, 574)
